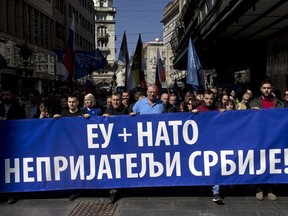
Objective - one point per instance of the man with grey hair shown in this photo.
(149, 105)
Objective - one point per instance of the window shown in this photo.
(59, 5)
(101, 30)
(59, 30)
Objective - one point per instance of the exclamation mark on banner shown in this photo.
(286, 160)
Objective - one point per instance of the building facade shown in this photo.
(170, 19)
(29, 32)
(234, 36)
(150, 56)
(105, 42)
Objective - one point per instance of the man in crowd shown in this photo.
(164, 98)
(10, 109)
(209, 102)
(265, 101)
(172, 104)
(149, 105)
(32, 105)
(209, 105)
(126, 99)
(108, 103)
(117, 108)
(286, 98)
(73, 111)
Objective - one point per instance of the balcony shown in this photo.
(111, 10)
(104, 50)
(102, 36)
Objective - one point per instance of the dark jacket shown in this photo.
(14, 112)
(121, 110)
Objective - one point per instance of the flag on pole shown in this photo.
(193, 66)
(85, 62)
(175, 85)
(123, 55)
(160, 73)
(138, 66)
(69, 52)
(88, 61)
(158, 82)
(124, 59)
(160, 67)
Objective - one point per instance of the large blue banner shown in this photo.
(181, 149)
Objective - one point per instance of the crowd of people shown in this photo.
(101, 103)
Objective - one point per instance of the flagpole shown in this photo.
(167, 88)
(69, 55)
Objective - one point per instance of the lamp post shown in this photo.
(25, 68)
(25, 55)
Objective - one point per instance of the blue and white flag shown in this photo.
(193, 66)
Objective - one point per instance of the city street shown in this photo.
(173, 201)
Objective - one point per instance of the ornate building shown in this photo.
(30, 30)
(150, 55)
(105, 42)
(233, 36)
(169, 20)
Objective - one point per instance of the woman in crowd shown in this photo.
(62, 105)
(43, 111)
(182, 107)
(229, 105)
(193, 104)
(90, 105)
(223, 99)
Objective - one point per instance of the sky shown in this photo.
(138, 17)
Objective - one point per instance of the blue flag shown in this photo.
(85, 61)
(88, 61)
(193, 66)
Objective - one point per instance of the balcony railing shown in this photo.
(103, 36)
(105, 9)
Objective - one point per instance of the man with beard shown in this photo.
(125, 99)
(10, 109)
(265, 101)
(209, 102)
